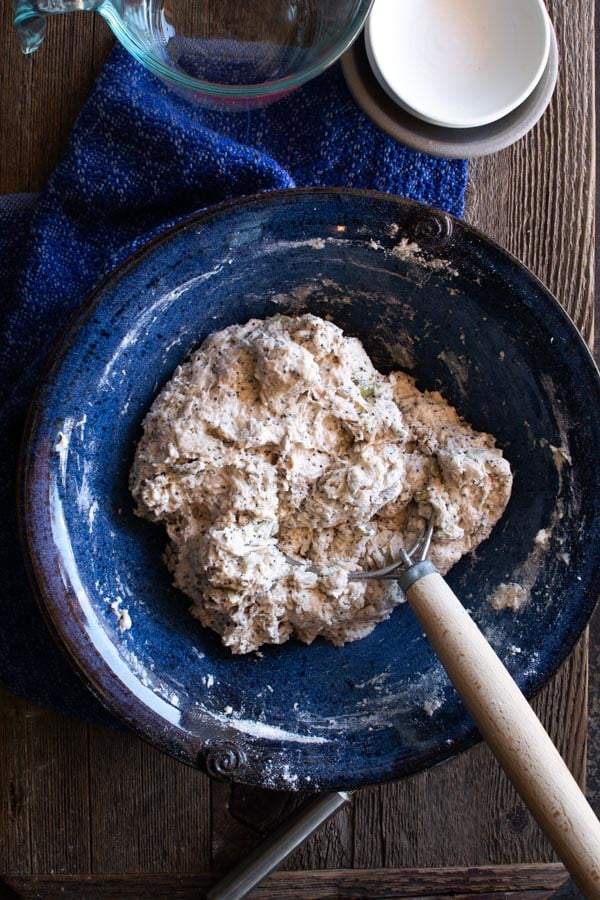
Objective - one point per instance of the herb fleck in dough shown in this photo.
(279, 439)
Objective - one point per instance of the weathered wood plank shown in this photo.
(58, 777)
(15, 850)
(40, 95)
(329, 848)
(510, 881)
(537, 197)
(230, 839)
(148, 813)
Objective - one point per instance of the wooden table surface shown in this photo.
(87, 812)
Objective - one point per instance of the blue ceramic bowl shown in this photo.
(425, 293)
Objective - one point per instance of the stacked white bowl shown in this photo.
(458, 63)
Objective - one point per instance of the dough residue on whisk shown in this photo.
(278, 439)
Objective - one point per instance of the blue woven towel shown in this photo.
(139, 159)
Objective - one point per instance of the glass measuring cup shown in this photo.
(219, 53)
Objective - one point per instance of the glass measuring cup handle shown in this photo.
(30, 18)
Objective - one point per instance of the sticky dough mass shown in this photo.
(279, 440)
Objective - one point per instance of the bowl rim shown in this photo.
(72, 638)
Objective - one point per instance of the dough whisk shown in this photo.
(503, 716)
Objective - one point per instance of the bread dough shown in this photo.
(278, 441)
(509, 596)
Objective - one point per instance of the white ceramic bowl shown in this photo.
(458, 63)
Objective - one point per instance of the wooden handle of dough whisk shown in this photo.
(510, 727)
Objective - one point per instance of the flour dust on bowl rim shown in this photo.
(425, 293)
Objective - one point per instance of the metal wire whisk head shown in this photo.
(416, 554)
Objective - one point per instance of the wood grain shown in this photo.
(84, 800)
(58, 779)
(149, 812)
(528, 881)
(15, 800)
(537, 198)
(40, 95)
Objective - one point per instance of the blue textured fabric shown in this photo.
(138, 160)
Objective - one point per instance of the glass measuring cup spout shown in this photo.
(231, 55)
(30, 18)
